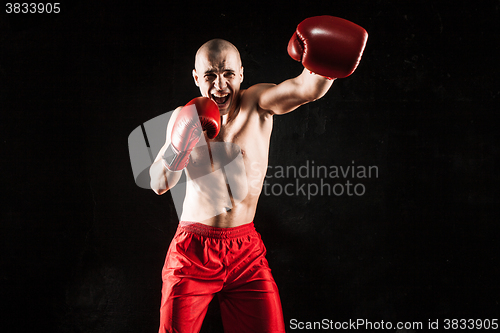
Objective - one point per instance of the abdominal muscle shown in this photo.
(197, 208)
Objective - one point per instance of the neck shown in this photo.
(231, 113)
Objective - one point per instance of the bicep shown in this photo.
(283, 97)
(292, 93)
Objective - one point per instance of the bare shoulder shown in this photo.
(250, 97)
(256, 90)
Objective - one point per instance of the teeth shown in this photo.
(220, 96)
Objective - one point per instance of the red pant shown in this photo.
(202, 261)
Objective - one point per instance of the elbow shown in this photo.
(158, 189)
(155, 189)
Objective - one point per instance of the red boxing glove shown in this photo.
(200, 114)
(327, 45)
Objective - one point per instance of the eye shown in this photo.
(229, 75)
(209, 77)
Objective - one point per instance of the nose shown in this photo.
(220, 83)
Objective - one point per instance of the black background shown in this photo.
(82, 246)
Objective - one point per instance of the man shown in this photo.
(216, 248)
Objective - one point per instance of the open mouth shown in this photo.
(220, 99)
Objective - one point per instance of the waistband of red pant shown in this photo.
(215, 232)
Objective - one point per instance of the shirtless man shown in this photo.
(216, 248)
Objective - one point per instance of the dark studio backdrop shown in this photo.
(82, 246)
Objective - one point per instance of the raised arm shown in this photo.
(290, 94)
(328, 47)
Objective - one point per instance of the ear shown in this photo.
(195, 77)
(241, 75)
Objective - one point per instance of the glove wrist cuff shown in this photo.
(175, 160)
(326, 77)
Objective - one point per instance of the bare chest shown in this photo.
(245, 137)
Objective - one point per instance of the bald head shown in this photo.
(218, 73)
(215, 49)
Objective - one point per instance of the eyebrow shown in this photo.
(209, 71)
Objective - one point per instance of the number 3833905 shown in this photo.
(32, 8)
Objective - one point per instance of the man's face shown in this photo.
(219, 76)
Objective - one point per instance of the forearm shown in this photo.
(312, 86)
(162, 179)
